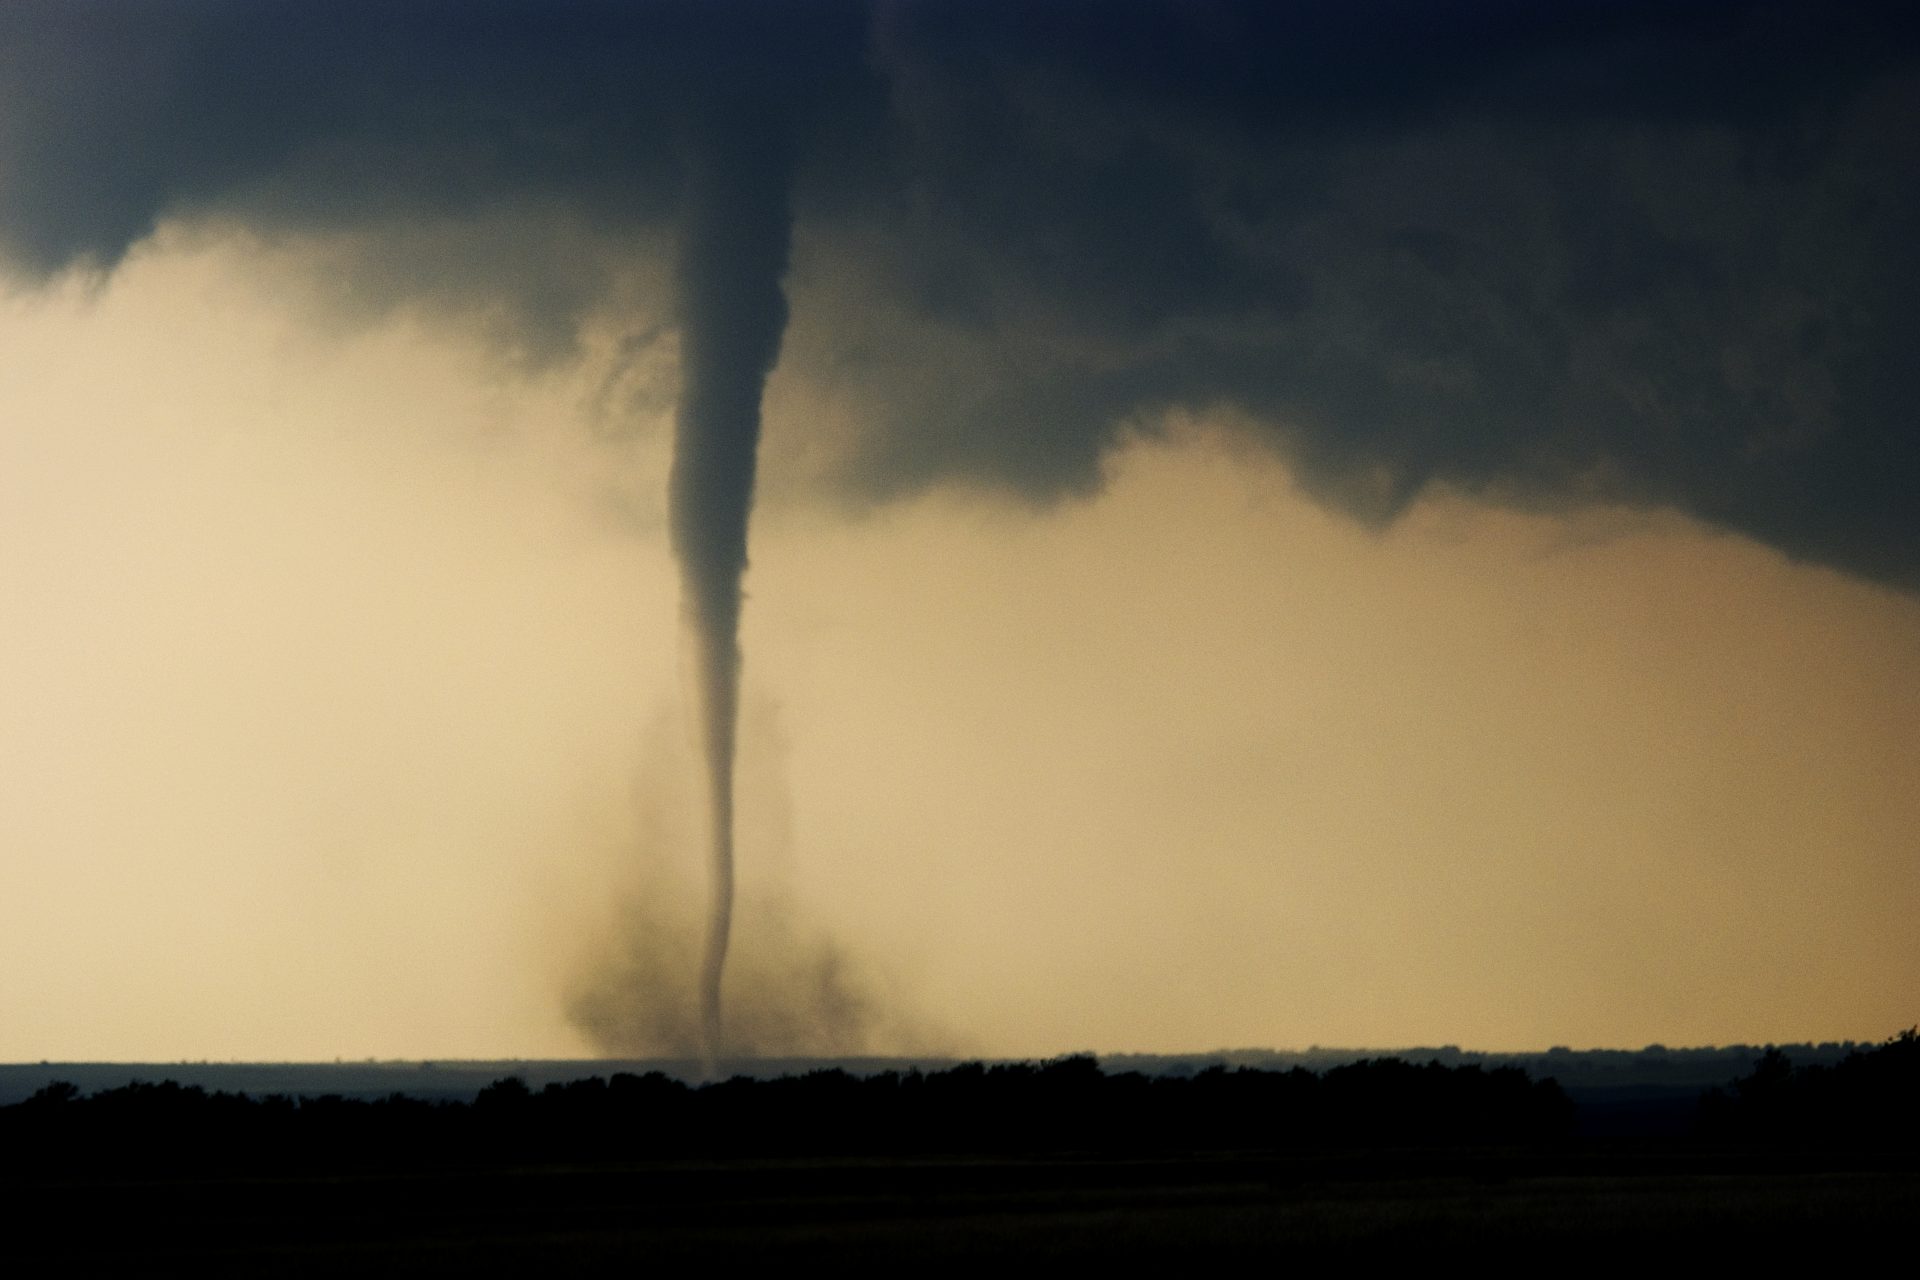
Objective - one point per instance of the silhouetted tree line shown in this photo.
(1870, 1099)
(1065, 1105)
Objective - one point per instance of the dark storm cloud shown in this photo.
(1651, 252)
(458, 132)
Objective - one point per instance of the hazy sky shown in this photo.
(1359, 525)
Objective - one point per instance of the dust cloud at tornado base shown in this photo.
(793, 988)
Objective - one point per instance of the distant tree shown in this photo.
(58, 1093)
(508, 1091)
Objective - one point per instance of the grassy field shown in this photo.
(1411, 1207)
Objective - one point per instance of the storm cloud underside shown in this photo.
(1629, 252)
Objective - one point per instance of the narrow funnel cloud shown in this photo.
(735, 235)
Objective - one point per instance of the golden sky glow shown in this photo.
(341, 717)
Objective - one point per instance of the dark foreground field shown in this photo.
(1624, 1205)
(1018, 1163)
